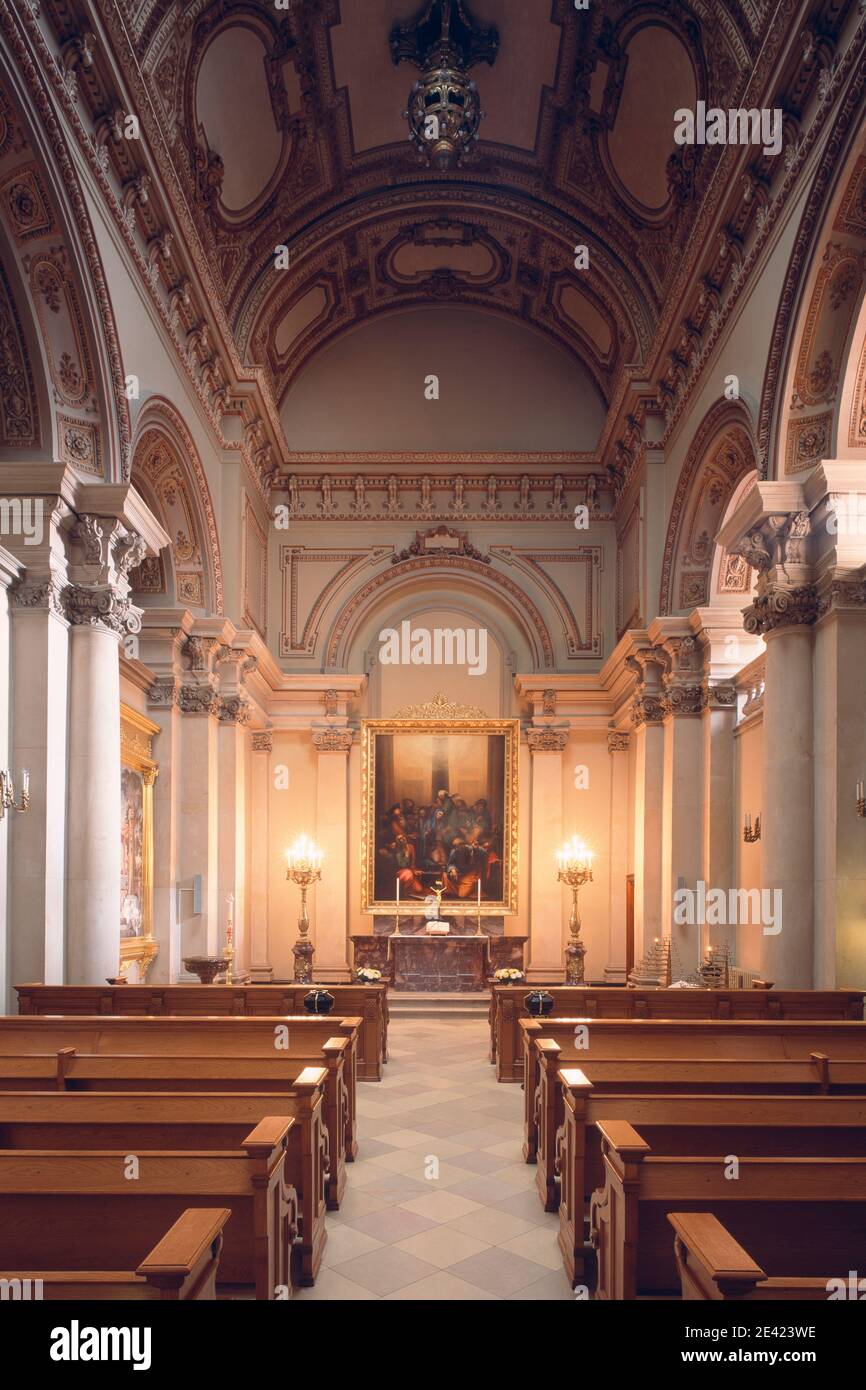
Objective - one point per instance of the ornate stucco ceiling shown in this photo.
(286, 128)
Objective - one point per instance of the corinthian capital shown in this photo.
(546, 740)
(332, 740)
(777, 606)
(101, 606)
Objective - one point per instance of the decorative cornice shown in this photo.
(779, 607)
(618, 741)
(333, 740)
(842, 593)
(547, 740)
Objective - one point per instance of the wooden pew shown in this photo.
(68, 1209)
(658, 1039)
(145, 1121)
(296, 1039)
(714, 1267)
(183, 1266)
(507, 1008)
(787, 1208)
(368, 1002)
(65, 1071)
(742, 1124)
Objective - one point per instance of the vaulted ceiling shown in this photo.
(286, 127)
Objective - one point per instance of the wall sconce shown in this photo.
(750, 835)
(304, 861)
(7, 792)
(860, 799)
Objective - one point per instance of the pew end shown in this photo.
(714, 1267)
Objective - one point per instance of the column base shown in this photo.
(545, 975)
(262, 974)
(615, 974)
(303, 952)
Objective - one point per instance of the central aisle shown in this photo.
(474, 1231)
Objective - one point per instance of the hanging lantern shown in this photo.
(444, 111)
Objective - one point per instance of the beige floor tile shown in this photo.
(490, 1225)
(440, 1206)
(442, 1288)
(539, 1245)
(442, 1246)
(346, 1243)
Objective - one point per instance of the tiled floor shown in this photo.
(439, 1204)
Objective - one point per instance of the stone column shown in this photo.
(683, 748)
(199, 801)
(260, 851)
(647, 714)
(617, 747)
(10, 573)
(39, 720)
(98, 608)
(546, 943)
(783, 611)
(332, 836)
(718, 718)
(234, 712)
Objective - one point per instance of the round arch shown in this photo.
(722, 453)
(169, 472)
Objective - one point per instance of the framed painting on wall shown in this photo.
(138, 772)
(440, 809)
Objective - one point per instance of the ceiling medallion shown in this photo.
(444, 114)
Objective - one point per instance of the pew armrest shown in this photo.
(269, 1134)
(620, 1135)
(705, 1248)
(574, 1080)
(310, 1079)
(186, 1249)
(549, 1047)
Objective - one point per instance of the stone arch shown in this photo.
(721, 454)
(458, 577)
(802, 415)
(53, 266)
(168, 471)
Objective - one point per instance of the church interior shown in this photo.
(433, 651)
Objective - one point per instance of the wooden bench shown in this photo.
(713, 1266)
(743, 1124)
(66, 1071)
(297, 1040)
(507, 1008)
(785, 1207)
(144, 1121)
(70, 1210)
(183, 1266)
(368, 1002)
(662, 1038)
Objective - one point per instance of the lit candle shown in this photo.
(479, 892)
(398, 890)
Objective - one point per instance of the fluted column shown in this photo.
(617, 746)
(199, 801)
(718, 717)
(98, 608)
(546, 943)
(332, 835)
(681, 809)
(262, 745)
(234, 712)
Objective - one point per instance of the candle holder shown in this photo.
(7, 793)
(860, 799)
(575, 869)
(230, 939)
(752, 833)
(304, 868)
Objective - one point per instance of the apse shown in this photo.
(501, 386)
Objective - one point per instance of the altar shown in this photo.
(457, 963)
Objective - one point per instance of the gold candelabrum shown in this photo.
(304, 868)
(7, 793)
(575, 869)
(229, 952)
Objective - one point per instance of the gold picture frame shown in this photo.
(139, 771)
(504, 813)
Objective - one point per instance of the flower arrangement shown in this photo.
(367, 975)
(508, 975)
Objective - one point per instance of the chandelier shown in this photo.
(444, 114)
